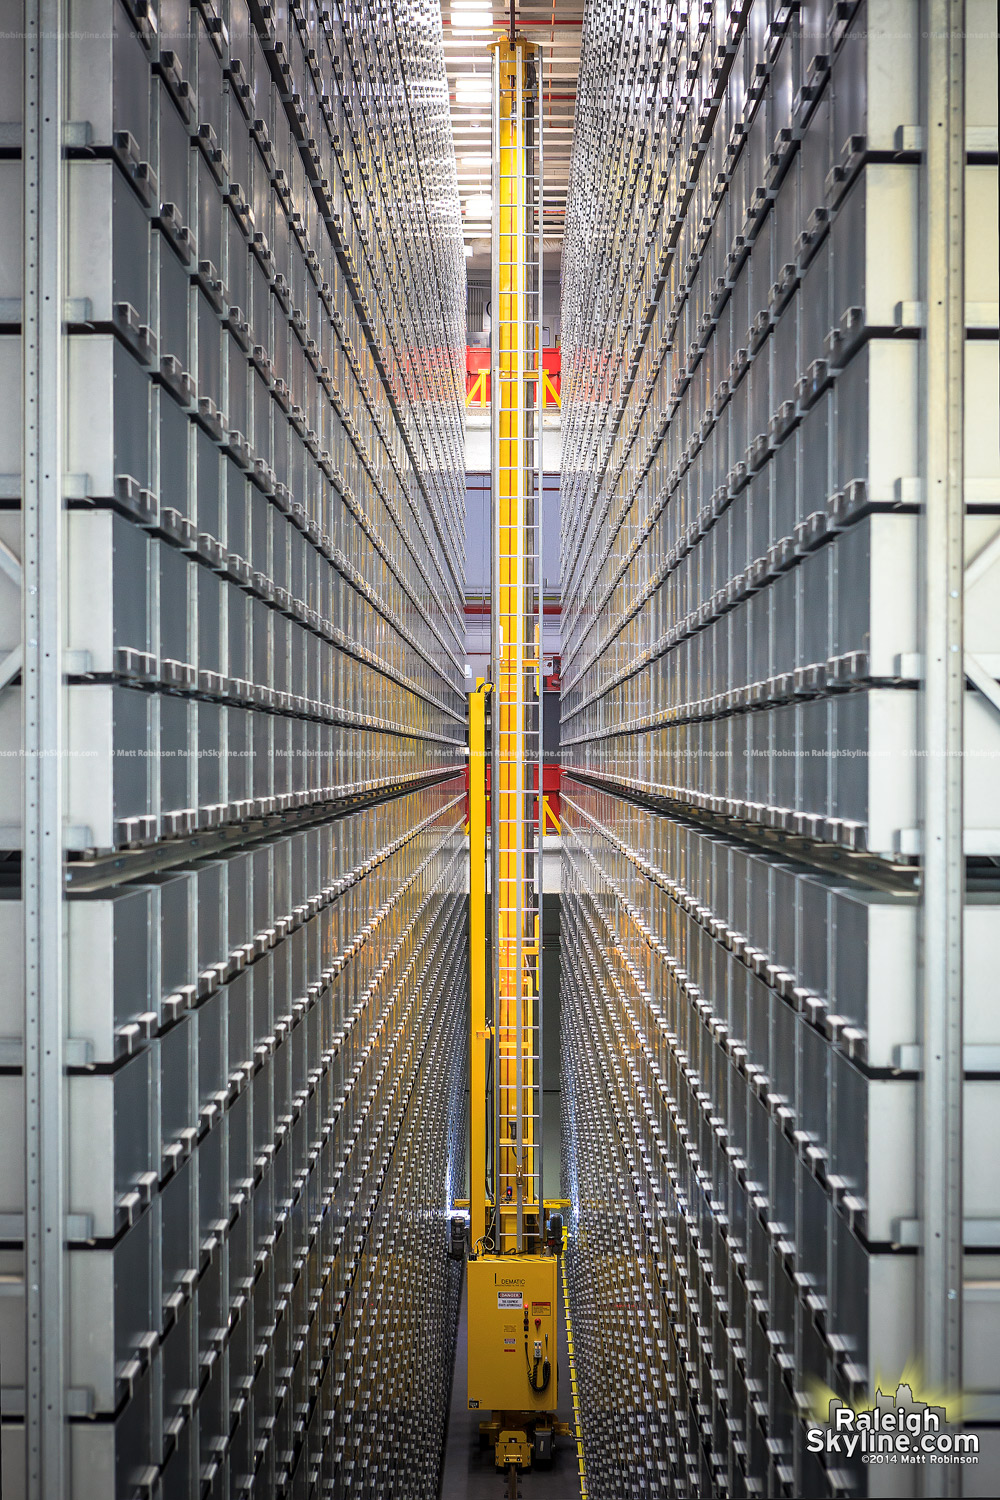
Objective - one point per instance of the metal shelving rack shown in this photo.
(231, 532)
(780, 495)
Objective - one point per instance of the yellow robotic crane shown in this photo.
(512, 1270)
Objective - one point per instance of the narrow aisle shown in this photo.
(469, 1472)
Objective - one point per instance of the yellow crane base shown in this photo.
(520, 1438)
(513, 1447)
(513, 1308)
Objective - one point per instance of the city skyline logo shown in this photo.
(895, 1427)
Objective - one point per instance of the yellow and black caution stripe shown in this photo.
(577, 1424)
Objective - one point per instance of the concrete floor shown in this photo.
(469, 1473)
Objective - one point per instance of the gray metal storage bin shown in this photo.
(264, 932)
(741, 1023)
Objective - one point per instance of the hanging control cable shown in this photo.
(538, 1385)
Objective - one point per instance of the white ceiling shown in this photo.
(469, 28)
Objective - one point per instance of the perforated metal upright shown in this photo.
(780, 502)
(233, 1007)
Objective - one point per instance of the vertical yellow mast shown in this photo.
(516, 642)
(479, 1036)
(513, 1308)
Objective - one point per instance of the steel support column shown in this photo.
(46, 1438)
(942, 709)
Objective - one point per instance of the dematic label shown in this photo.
(507, 1300)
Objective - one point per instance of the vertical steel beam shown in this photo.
(516, 638)
(942, 706)
(538, 193)
(46, 1445)
(479, 1039)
